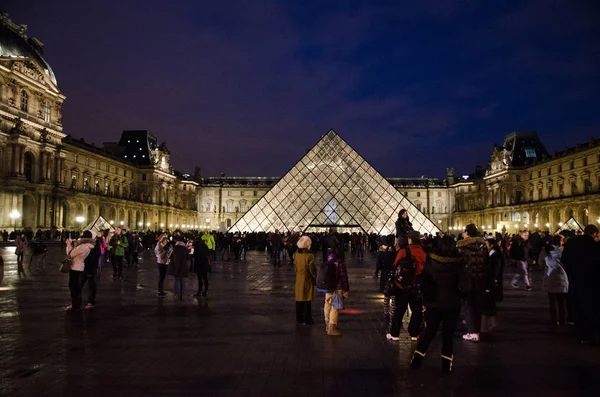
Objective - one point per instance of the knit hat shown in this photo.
(304, 242)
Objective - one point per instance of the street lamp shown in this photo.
(14, 215)
(147, 224)
(79, 220)
(547, 225)
(111, 222)
(121, 223)
(560, 224)
(140, 223)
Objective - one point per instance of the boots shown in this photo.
(20, 268)
(447, 364)
(417, 360)
(332, 330)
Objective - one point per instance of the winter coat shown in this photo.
(276, 242)
(209, 240)
(385, 258)
(22, 245)
(403, 227)
(179, 266)
(417, 254)
(119, 249)
(341, 274)
(162, 256)
(555, 279)
(474, 255)
(135, 243)
(201, 259)
(306, 275)
(444, 282)
(492, 269)
(82, 249)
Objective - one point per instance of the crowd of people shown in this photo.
(438, 279)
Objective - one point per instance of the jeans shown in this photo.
(433, 318)
(100, 262)
(117, 264)
(331, 313)
(178, 286)
(76, 281)
(521, 271)
(92, 287)
(276, 257)
(474, 310)
(134, 258)
(202, 279)
(403, 301)
(558, 308)
(162, 273)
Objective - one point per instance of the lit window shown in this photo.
(46, 111)
(24, 101)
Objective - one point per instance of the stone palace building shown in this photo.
(52, 180)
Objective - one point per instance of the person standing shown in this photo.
(555, 281)
(489, 320)
(385, 264)
(78, 251)
(92, 264)
(201, 266)
(276, 245)
(22, 245)
(403, 229)
(306, 274)
(102, 244)
(581, 257)
(474, 254)
(134, 249)
(338, 284)
(162, 261)
(517, 254)
(443, 284)
(209, 240)
(409, 295)
(179, 268)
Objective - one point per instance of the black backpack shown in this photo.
(404, 275)
(326, 276)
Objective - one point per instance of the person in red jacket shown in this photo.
(408, 296)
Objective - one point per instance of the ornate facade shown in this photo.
(51, 180)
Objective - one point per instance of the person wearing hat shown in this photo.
(475, 254)
(408, 296)
(306, 277)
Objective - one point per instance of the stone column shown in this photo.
(21, 159)
(42, 166)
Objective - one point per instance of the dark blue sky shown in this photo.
(245, 87)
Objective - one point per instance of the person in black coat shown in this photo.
(201, 266)
(444, 283)
(489, 319)
(403, 229)
(581, 257)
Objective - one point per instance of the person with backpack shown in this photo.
(442, 283)
(408, 266)
(306, 273)
(78, 251)
(332, 278)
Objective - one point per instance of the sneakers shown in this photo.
(515, 286)
(413, 338)
(89, 306)
(70, 307)
(161, 294)
(390, 337)
(528, 288)
(471, 337)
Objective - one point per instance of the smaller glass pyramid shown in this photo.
(571, 224)
(332, 186)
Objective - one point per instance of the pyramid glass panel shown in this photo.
(332, 186)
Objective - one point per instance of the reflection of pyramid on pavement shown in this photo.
(332, 185)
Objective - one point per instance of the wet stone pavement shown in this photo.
(242, 340)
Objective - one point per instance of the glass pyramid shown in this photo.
(571, 224)
(332, 186)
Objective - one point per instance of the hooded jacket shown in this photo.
(82, 249)
(474, 255)
(209, 240)
(444, 282)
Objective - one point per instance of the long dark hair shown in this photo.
(446, 247)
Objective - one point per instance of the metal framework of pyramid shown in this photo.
(99, 224)
(571, 224)
(332, 186)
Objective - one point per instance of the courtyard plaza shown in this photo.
(242, 340)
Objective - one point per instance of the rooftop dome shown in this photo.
(14, 43)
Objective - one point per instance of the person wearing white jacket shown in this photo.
(78, 251)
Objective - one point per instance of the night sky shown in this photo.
(246, 87)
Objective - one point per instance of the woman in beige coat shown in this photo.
(306, 275)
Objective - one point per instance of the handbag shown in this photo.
(65, 266)
(390, 286)
(337, 301)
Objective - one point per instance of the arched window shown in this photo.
(24, 101)
(230, 206)
(28, 167)
(46, 110)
